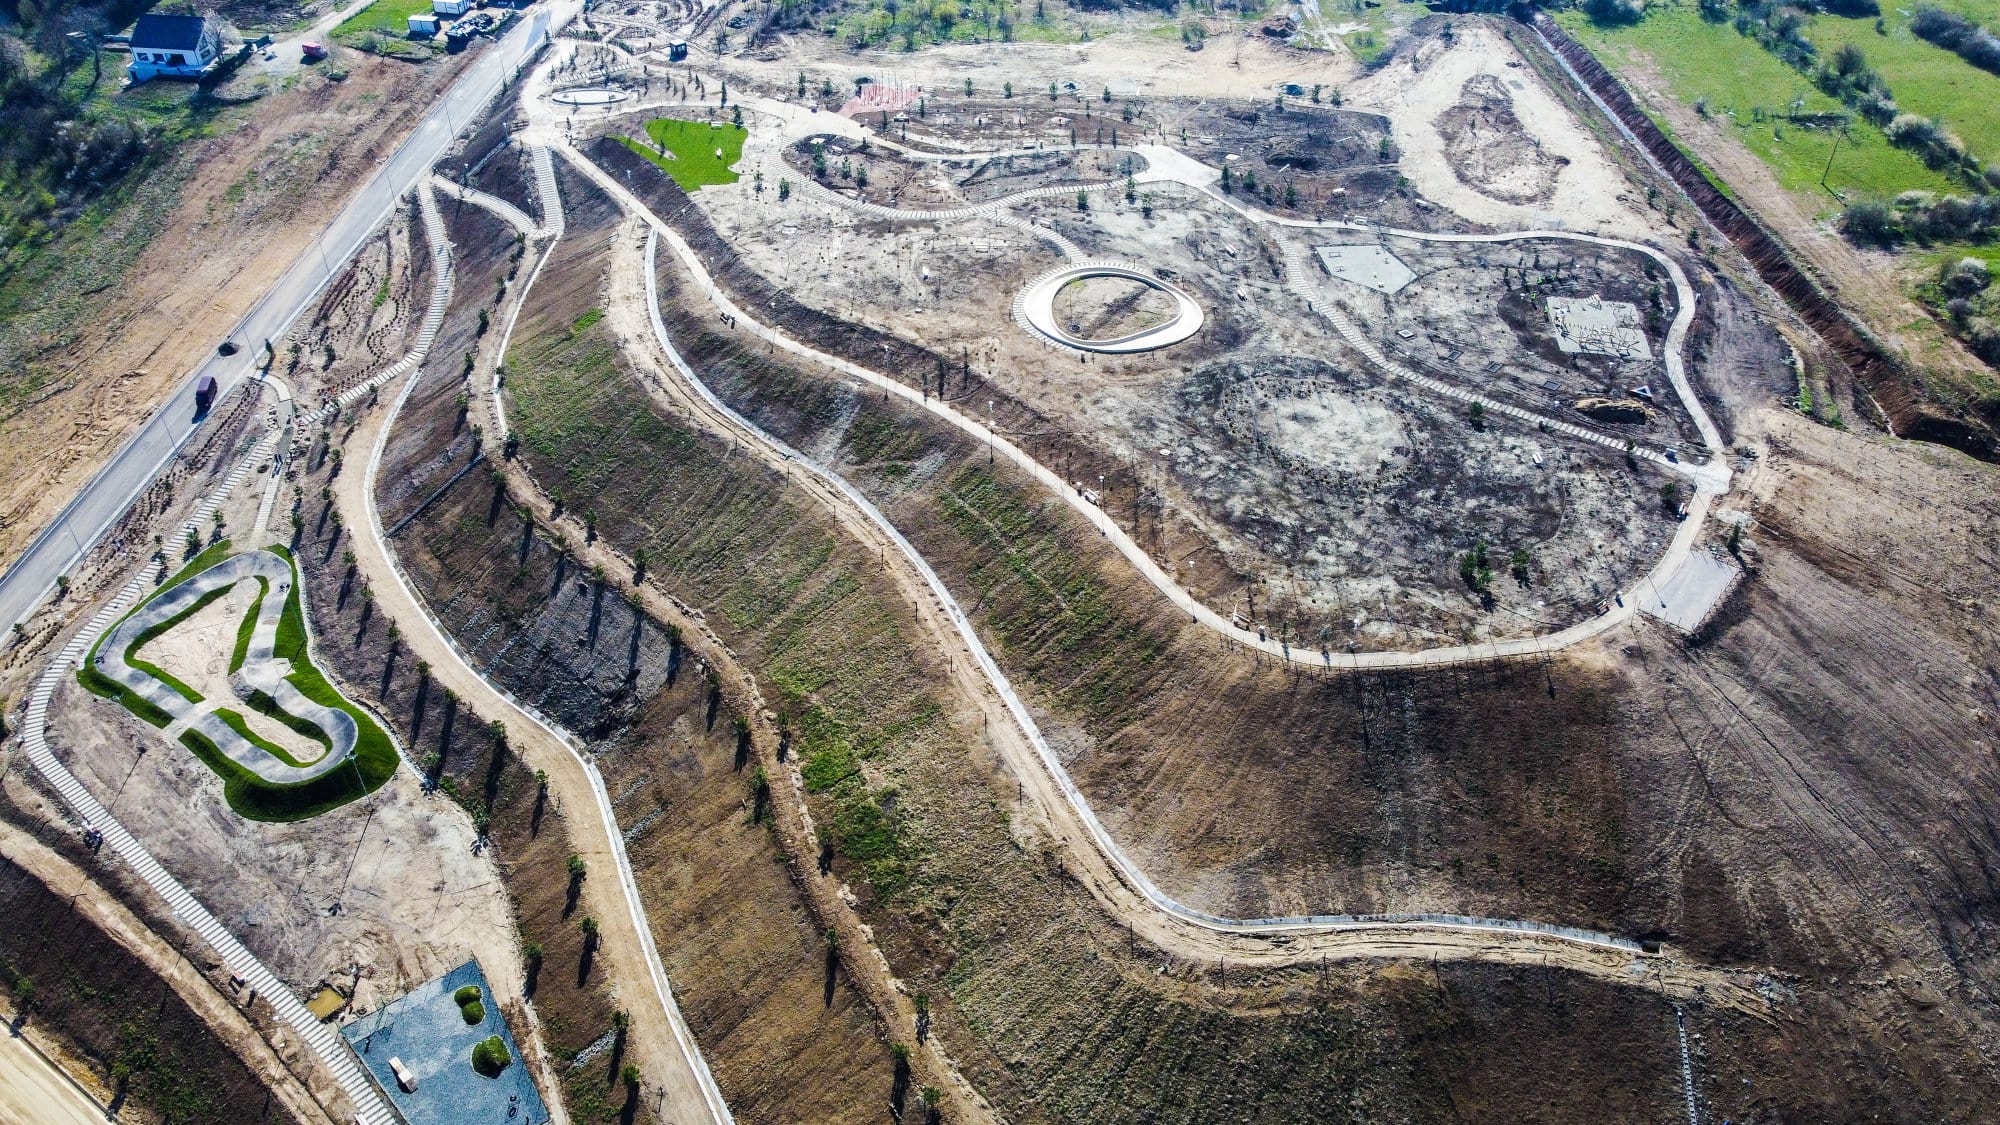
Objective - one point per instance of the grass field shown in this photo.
(687, 150)
(1925, 79)
(383, 25)
(1734, 78)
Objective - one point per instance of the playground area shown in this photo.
(432, 1052)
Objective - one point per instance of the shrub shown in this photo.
(467, 995)
(1613, 13)
(490, 1056)
(1869, 223)
(474, 1013)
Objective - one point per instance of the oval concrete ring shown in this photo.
(590, 96)
(1038, 303)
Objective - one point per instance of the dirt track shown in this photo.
(115, 920)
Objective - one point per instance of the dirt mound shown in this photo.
(1620, 411)
(1490, 151)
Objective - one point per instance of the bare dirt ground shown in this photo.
(1251, 68)
(1419, 91)
(1489, 149)
(252, 196)
(1252, 519)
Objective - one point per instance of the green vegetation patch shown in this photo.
(384, 29)
(234, 721)
(729, 535)
(250, 796)
(1925, 79)
(490, 1057)
(1765, 104)
(693, 153)
(246, 628)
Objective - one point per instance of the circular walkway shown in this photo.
(1038, 308)
(589, 97)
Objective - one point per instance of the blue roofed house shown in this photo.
(174, 46)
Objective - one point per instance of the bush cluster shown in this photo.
(1968, 40)
(1922, 217)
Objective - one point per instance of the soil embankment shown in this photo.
(1896, 389)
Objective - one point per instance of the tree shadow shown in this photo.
(494, 767)
(417, 708)
(899, 1086)
(583, 962)
(832, 972)
(714, 705)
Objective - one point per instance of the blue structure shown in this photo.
(425, 1031)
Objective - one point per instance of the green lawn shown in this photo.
(1735, 78)
(690, 148)
(383, 25)
(1924, 79)
(251, 797)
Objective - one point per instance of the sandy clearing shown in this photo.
(1418, 86)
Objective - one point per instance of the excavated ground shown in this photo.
(1312, 497)
(968, 905)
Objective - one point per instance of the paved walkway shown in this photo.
(1621, 610)
(681, 1072)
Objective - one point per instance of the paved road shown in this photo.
(33, 1092)
(133, 467)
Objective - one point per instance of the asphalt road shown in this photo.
(34, 1093)
(133, 467)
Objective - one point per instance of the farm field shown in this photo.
(1925, 79)
(1709, 66)
(380, 21)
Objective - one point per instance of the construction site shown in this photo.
(779, 580)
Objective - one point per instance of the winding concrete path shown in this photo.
(1163, 918)
(1049, 762)
(1625, 606)
(663, 1041)
(262, 670)
(369, 1105)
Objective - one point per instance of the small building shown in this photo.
(677, 50)
(451, 7)
(424, 24)
(174, 46)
